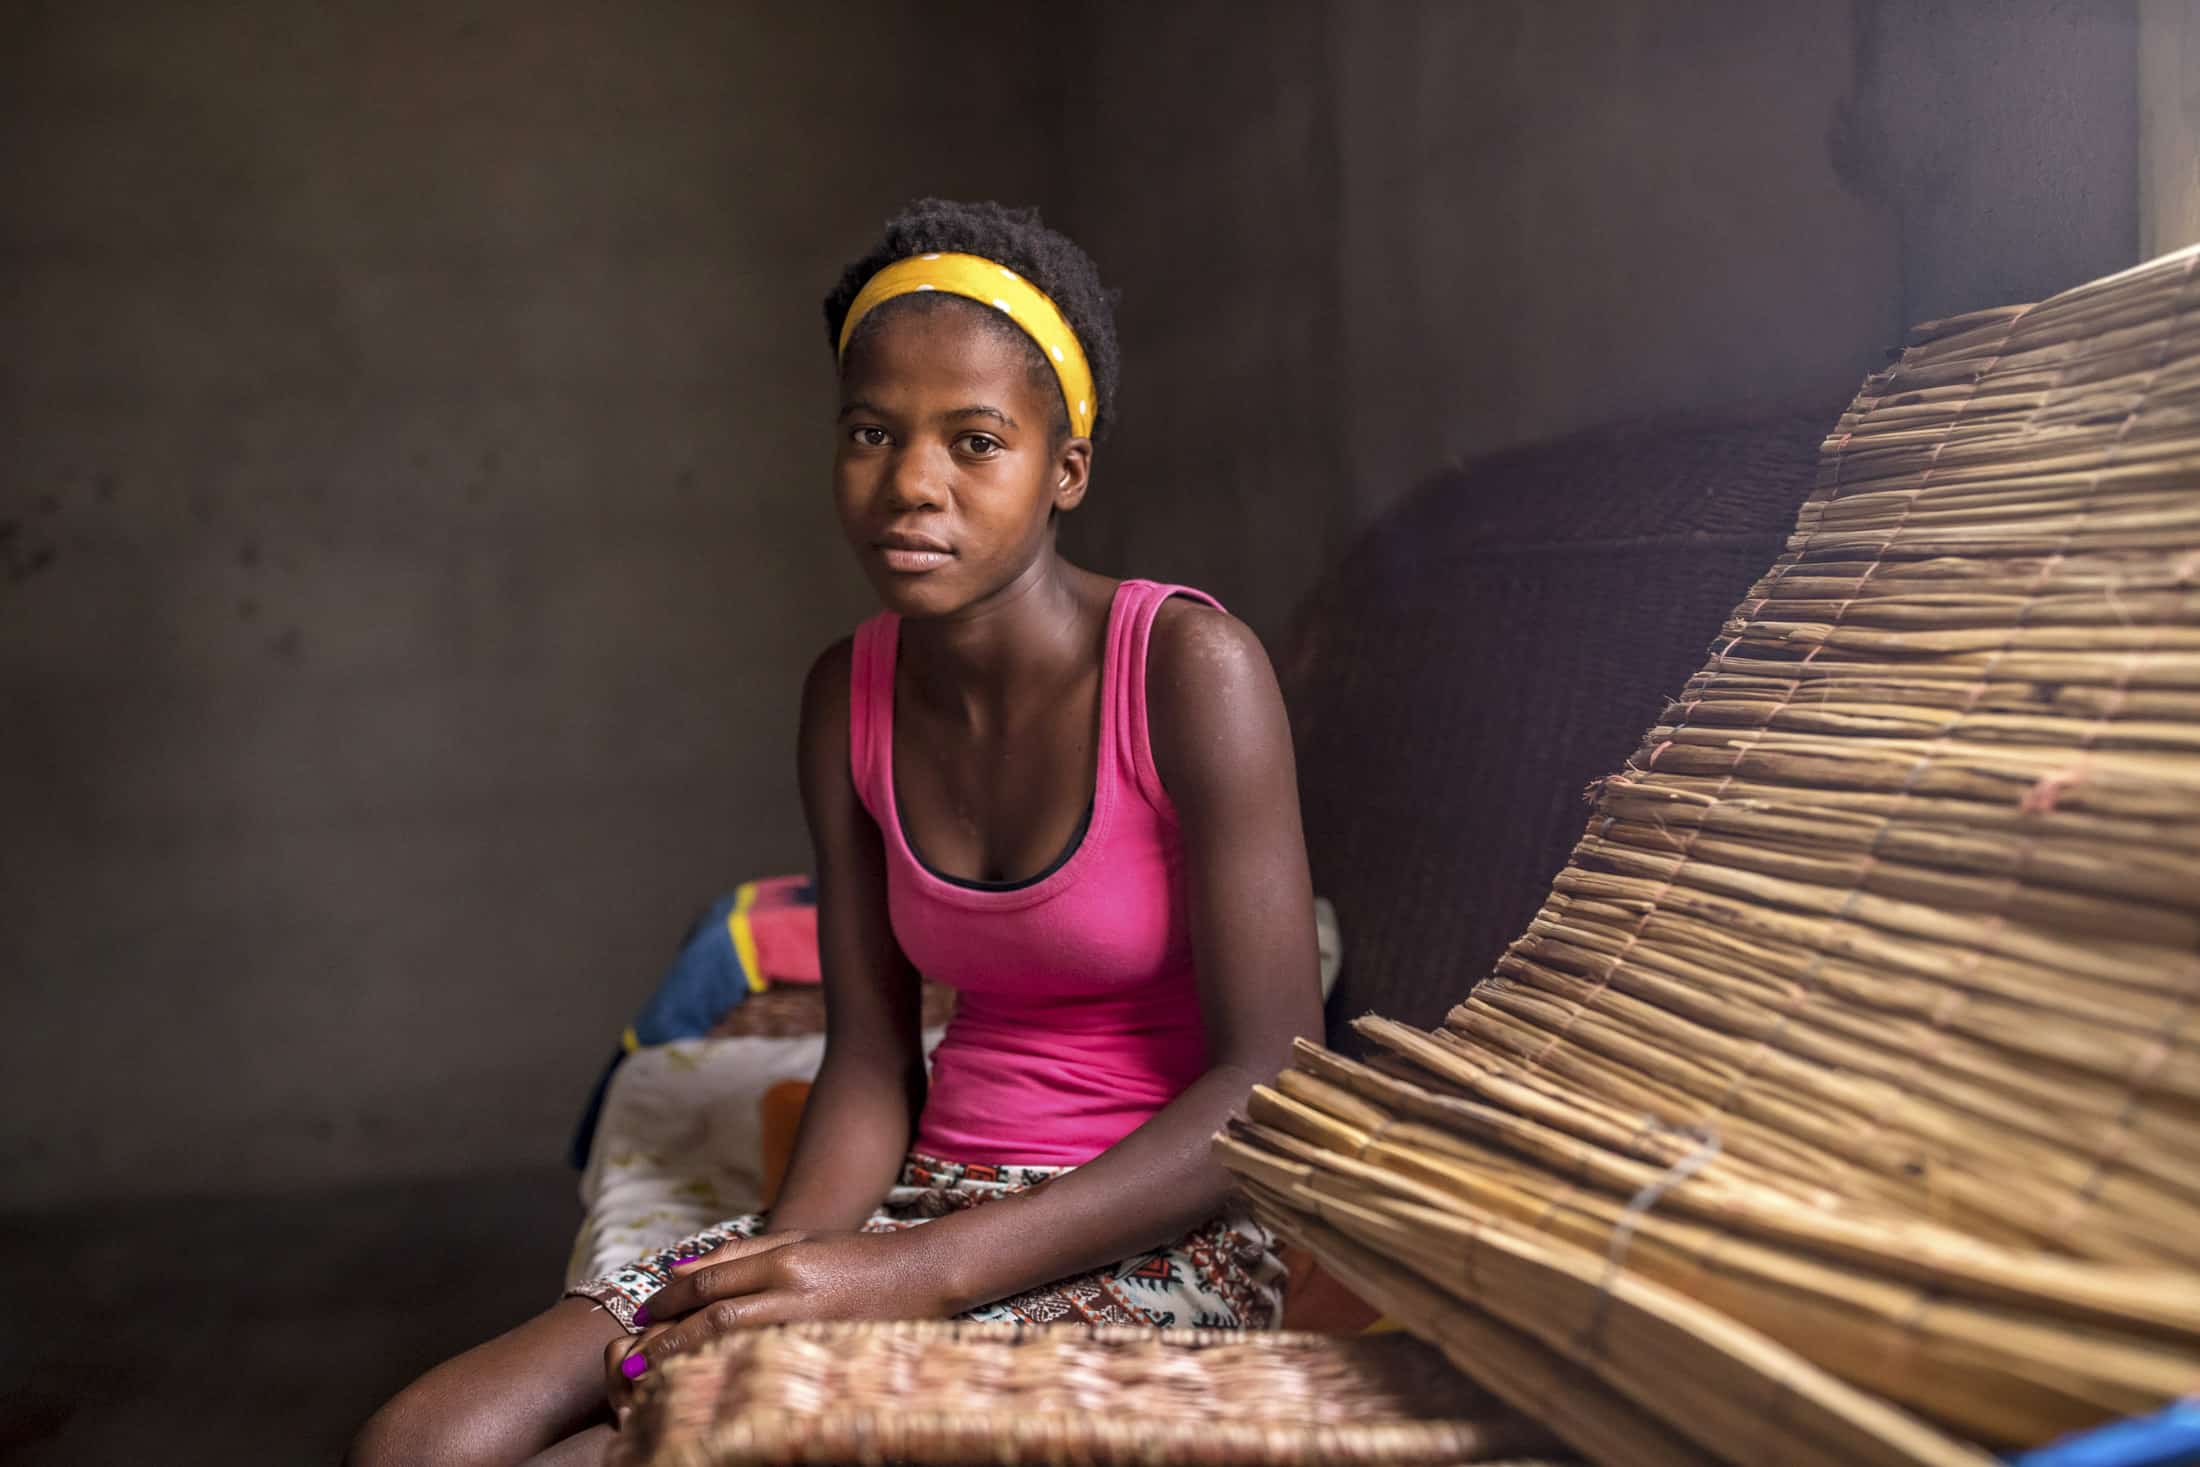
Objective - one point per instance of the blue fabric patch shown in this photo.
(2168, 1438)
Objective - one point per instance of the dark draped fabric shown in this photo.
(1496, 642)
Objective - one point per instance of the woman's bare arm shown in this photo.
(861, 1112)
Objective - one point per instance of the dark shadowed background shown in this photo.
(414, 424)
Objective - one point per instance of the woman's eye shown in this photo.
(871, 437)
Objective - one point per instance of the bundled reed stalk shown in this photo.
(1842, 1102)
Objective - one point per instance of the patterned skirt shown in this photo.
(1222, 1275)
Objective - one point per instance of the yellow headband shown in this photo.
(987, 283)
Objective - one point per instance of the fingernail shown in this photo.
(641, 1314)
(634, 1366)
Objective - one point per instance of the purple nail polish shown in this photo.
(641, 1314)
(634, 1366)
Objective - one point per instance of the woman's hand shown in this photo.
(782, 1278)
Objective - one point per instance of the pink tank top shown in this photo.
(1077, 1015)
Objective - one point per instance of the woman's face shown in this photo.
(947, 467)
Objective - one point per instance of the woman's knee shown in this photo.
(418, 1424)
(498, 1403)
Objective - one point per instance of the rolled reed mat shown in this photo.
(1842, 1101)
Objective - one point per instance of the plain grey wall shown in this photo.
(412, 529)
(416, 516)
(1362, 240)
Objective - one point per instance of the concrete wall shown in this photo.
(2004, 141)
(1566, 214)
(1362, 240)
(2169, 125)
(1201, 172)
(416, 527)
(413, 526)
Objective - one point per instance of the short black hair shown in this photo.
(1015, 238)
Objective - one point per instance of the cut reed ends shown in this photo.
(1850, 1073)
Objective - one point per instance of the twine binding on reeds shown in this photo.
(1899, 900)
(1623, 1233)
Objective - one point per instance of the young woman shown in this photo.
(1070, 797)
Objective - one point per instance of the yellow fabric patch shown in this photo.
(744, 937)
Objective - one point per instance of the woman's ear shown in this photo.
(1073, 472)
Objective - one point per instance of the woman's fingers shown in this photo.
(734, 1269)
(614, 1354)
(699, 1287)
(719, 1317)
(623, 1364)
(734, 1248)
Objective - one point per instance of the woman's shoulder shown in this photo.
(825, 741)
(1212, 700)
(1199, 638)
(825, 705)
(831, 670)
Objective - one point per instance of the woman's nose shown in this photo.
(914, 480)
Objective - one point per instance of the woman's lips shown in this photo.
(908, 561)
